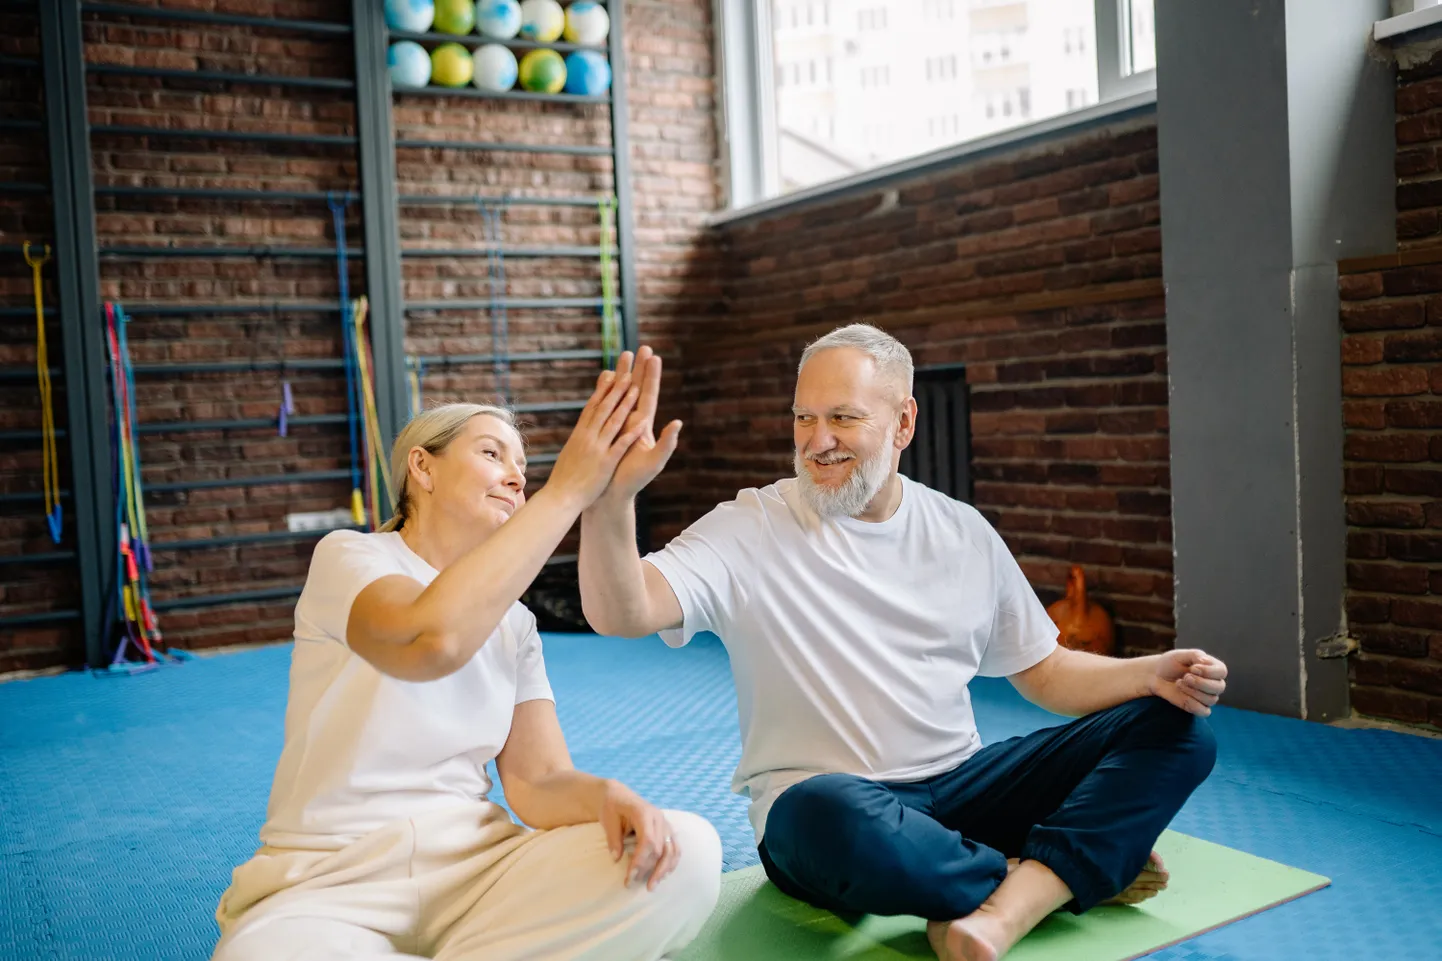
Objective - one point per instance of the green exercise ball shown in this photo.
(543, 71)
(455, 16)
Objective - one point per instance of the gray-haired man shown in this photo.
(856, 605)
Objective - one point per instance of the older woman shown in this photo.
(414, 667)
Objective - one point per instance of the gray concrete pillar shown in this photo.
(1276, 145)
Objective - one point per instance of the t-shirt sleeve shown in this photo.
(531, 681)
(1022, 632)
(343, 564)
(700, 564)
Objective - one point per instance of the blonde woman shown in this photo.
(414, 667)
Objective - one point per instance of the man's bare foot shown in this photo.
(1151, 882)
(980, 936)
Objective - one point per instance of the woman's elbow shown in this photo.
(434, 655)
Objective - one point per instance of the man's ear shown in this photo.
(906, 426)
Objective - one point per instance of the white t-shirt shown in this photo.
(363, 749)
(852, 643)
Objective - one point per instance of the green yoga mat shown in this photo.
(1210, 886)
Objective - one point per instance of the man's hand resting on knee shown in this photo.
(1191, 680)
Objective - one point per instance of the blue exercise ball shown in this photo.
(587, 73)
(409, 64)
(413, 16)
(498, 19)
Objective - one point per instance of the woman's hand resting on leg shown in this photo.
(623, 812)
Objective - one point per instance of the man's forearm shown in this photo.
(1077, 683)
(613, 583)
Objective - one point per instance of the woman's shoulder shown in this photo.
(351, 551)
(520, 620)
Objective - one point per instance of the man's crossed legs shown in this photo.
(1078, 806)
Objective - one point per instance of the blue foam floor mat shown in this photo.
(125, 802)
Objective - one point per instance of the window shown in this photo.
(941, 68)
(983, 66)
(1126, 51)
(1139, 37)
(876, 76)
(872, 19)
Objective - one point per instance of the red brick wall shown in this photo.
(673, 152)
(1038, 270)
(1392, 382)
(1419, 164)
(27, 588)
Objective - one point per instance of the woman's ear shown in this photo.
(419, 463)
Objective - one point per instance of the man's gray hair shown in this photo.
(891, 356)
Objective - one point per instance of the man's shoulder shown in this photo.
(935, 502)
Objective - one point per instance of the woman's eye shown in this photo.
(492, 453)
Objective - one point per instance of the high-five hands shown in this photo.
(648, 454)
(603, 434)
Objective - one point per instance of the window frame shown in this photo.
(746, 105)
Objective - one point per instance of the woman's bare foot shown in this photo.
(978, 937)
(1151, 882)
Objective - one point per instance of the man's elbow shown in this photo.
(607, 624)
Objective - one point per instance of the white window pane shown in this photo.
(905, 77)
(1140, 28)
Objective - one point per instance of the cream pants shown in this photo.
(467, 884)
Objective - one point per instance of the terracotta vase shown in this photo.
(1084, 626)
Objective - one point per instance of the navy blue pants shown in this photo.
(1088, 799)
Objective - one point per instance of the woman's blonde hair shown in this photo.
(432, 430)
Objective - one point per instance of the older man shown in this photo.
(856, 605)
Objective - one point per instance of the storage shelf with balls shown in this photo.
(564, 50)
(480, 40)
(501, 94)
(567, 57)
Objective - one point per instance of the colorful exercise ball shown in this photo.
(542, 20)
(587, 22)
(543, 71)
(409, 64)
(451, 65)
(455, 16)
(495, 68)
(415, 16)
(500, 19)
(587, 73)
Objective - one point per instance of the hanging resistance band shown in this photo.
(132, 597)
(377, 467)
(492, 218)
(338, 207)
(50, 462)
(610, 333)
(415, 370)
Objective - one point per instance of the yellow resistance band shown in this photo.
(50, 462)
(372, 419)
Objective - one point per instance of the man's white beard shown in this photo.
(856, 492)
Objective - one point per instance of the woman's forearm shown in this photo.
(461, 608)
(559, 799)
